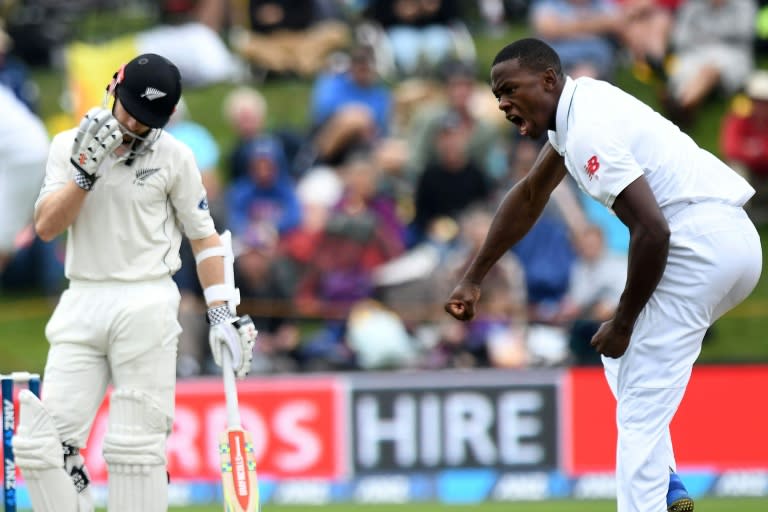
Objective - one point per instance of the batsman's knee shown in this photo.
(137, 431)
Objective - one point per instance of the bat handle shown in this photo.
(230, 389)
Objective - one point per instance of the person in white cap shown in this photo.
(124, 190)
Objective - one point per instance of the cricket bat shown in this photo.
(239, 483)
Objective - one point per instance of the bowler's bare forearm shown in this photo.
(518, 211)
(648, 250)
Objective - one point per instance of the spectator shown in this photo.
(646, 31)
(359, 85)
(358, 237)
(744, 138)
(266, 289)
(597, 282)
(318, 191)
(497, 336)
(23, 155)
(266, 195)
(460, 92)
(450, 183)
(205, 149)
(712, 41)
(546, 255)
(419, 31)
(582, 32)
(245, 110)
(288, 36)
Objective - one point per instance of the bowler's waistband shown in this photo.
(670, 210)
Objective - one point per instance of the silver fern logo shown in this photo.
(143, 174)
(152, 94)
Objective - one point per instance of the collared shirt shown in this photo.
(130, 225)
(609, 138)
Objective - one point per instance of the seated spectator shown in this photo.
(744, 138)
(597, 282)
(379, 339)
(419, 32)
(288, 36)
(265, 195)
(582, 32)
(646, 35)
(206, 151)
(318, 191)
(358, 237)
(712, 43)
(359, 85)
(546, 255)
(461, 89)
(267, 285)
(450, 182)
(496, 337)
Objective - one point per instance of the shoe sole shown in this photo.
(681, 505)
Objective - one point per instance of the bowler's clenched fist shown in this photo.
(461, 303)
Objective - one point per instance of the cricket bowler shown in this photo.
(693, 252)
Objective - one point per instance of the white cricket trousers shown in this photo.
(714, 262)
(100, 333)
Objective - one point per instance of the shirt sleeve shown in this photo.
(58, 170)
(603, 164)
(189, 198)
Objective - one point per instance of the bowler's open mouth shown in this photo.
(519, 122)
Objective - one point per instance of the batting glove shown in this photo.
(97, 136)
(236, 334)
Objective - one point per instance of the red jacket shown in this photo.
(745, 140)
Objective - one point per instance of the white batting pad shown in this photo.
(40, 458)
(134, 449)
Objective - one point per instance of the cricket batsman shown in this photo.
(125, 191)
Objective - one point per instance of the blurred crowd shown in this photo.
(351, 231)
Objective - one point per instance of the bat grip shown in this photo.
(230, 388)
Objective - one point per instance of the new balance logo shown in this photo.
(152, 94)
(143, 174)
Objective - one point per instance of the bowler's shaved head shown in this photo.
(532, 54)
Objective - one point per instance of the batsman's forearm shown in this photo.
(647, 260)
(210, 271)
(58, 211)
(515, 216)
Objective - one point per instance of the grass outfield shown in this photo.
(709, 505)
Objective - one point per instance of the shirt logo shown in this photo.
(143, 174)
(591, 167)
(203, 204)
(152, 94)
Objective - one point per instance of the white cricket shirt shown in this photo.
(609, 138)
(131, 224)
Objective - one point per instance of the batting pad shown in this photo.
(134, 449)
(40, 458)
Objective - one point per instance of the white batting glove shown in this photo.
(236, 334)
(97, 136)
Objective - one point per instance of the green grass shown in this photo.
(709, 505)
